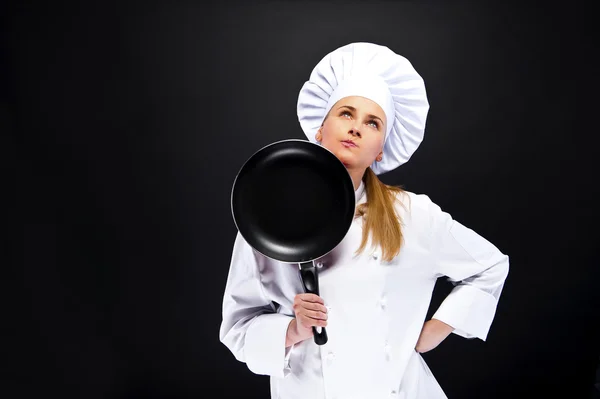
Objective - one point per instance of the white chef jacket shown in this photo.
(376, 309)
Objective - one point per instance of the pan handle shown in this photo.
(310, 282)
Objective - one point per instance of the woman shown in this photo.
(368, 106)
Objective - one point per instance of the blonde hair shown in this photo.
(381, 221)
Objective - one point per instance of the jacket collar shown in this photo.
(360, 193)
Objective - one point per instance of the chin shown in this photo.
(342, 154)
(347, 162)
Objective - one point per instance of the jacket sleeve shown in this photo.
(251, 328)
(474, 266)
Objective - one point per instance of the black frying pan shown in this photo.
(293, 201)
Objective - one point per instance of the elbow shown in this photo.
(500, 268)
(236, 349)
(233, 339)
(505, 265)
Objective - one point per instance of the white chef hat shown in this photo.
(377, 73)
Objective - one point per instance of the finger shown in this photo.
(307, 297)
(310, 322)
(313, 306)
(314, 314)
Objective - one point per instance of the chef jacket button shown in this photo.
(388, 351)
(319, 265)
(393, 394)
(382, 302)
(375, 255)
(330, 357)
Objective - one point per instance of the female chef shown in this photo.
(368, 106)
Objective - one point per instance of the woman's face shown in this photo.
(354, 131)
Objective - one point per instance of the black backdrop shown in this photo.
(124, 125)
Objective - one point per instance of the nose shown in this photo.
(355, 132)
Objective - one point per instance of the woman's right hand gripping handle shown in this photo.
(310, 312)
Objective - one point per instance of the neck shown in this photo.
(356, 175)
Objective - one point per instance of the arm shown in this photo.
(292, 337)
(477, 269)
(251, 328)
(297, 333)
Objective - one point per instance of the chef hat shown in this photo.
(377, 73)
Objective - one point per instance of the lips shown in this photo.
(349, 143)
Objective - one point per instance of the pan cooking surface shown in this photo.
(293, 201)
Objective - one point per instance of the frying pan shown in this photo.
(293, 202)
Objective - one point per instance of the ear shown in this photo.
(319, 135)
(379, 156)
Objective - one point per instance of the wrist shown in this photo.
(295, 334)
(441, 326)
(291, 336)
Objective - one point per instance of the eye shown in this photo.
(345, 113)
(374, 123)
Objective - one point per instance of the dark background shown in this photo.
(124, 125)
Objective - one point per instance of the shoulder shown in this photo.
(415, 203)
(420, 210)
(244, 251)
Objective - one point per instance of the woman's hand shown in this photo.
(432, 334)
(310, 312)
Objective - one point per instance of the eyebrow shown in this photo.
(351, 108)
